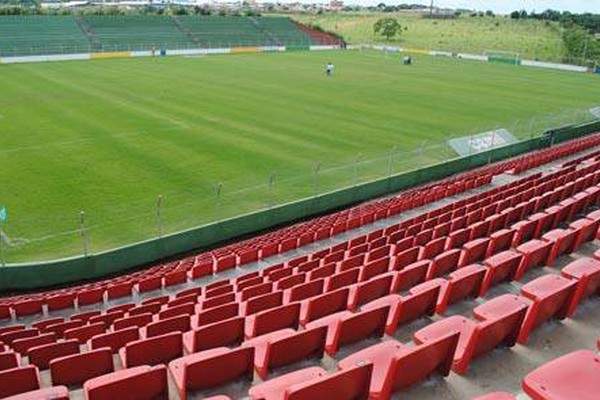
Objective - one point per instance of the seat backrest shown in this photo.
(263, 302)
(42, 355)
(286, 316)
(371, 290)
(350, 384)
(414, 364)
(179, 323)
(296, 347)
(19, 380)
(490, 333)
(219, 369)
(78, 368)
(223, 333)
(216, 314)
(146, 382)
(306, 290)
(360, 326)
(326, 304)
(114, 340)
(154, 350)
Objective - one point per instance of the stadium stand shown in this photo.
(144, 32)
(31, 35)
(45, 35)
(493, 229)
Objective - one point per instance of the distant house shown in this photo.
(335, 5)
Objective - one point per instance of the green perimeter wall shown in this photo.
(61, 272)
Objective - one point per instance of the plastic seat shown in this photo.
(372, 289)
(211, 368)
(9, 337)
(346, 328)
(155, 350)
(54, 393)
(500, 241)
(138, 321)
(573, 376)
(9, 360)
(284, 347)
(275, 389)
(322, 305)
(286, 316)
(563, 242)
(22, 346)
(84, 333)
(397, 366)
(496, 396)
(586, 271)
(179, 323)
(498, 321)
(216, 314)
(551, 296)
(462, 283)
(262, 303)
(224, 333)
(75, 369)
(535, 253)
(444, 263)
(19, 380)
(352, 384)
(409, 276)
(140, 383)
(473, 251)
(372, 269)
(41, 356)
(500, 267)
(114, 340)
(585, 229)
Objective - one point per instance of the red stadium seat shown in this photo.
(280, 348)
(215, 315)
(551, 296)
(137, 321)
(462, 283)
(19, 380)
(304, 291)
(499, 321)
(84, 333)
(228, 332)
(444, 263)
(9, 360)
(365, 292)
(211, 368)
(563, 242)
(41, 356)
(500, 267)
(54, 393)
(22, 346)
(114, 340)
(410, 276)
(140, 383)
(180, 323)
(352, 384)
(275, 389)
(496, 396)
(75, 369)
(350, 328)
(286, 316)
(573, 376)
(322, 305)
(155, 350)
(586, 271)
(473, 251)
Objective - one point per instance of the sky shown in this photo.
(498, 6)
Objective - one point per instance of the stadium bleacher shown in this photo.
(331, 322)
(31, 35)
(43, 35)
(137, 32)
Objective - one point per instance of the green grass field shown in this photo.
(530, 38)
(108, 137)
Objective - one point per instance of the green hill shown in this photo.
(532, 39)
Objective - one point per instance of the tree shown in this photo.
(388, 27)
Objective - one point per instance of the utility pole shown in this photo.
(431, 9)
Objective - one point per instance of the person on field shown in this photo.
(329, 69)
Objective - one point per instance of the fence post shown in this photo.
(83, 233)
(159, 215)
(2, 250)
(356, 165)
(271, 187)
(218, 189)
(316, 170)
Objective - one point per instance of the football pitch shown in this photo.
(225, 135)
